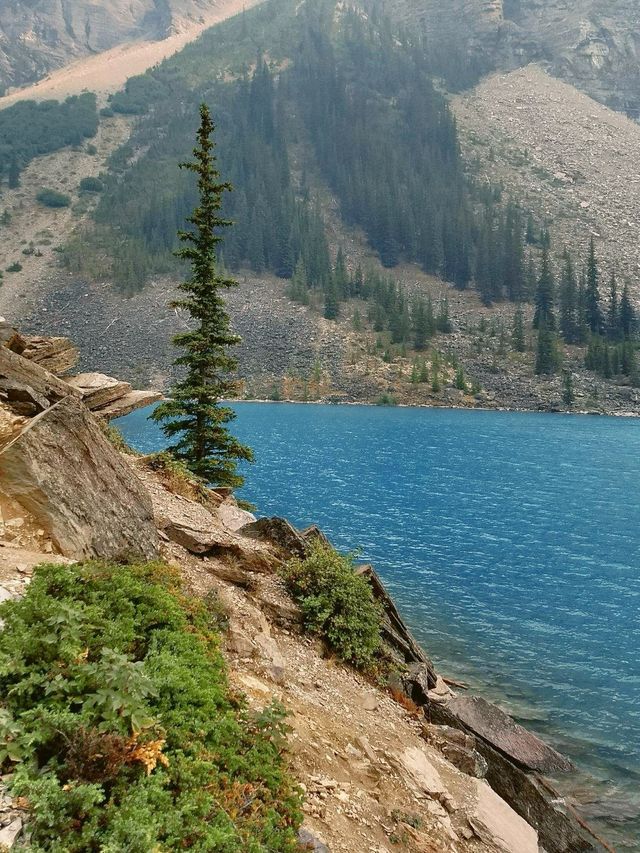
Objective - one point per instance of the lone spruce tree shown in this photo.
(193, 415)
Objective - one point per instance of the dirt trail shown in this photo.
(108, 71)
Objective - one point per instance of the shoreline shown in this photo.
(447, 406)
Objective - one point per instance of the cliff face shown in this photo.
(593, 44)
(36, 37)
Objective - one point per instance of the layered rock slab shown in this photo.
(65, 473)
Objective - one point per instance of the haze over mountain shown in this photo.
(36, 37)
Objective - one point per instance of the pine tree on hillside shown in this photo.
(193, 414)
(547, 356)
(594, 318)
(420, 324)
(613, 312)
(627, 314)
(544, 298)
(517, 332)
(568, 300)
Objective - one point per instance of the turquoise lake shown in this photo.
(511, 543)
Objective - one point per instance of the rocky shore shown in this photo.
(415, 763)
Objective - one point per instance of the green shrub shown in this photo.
(15, 267)
(52, 198)
(337, 604)
(119, 727)
(386, 400)
(91, 185)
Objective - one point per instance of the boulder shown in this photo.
(54, 354)
(64, 472)
(130, 402)
(10, 337)
(308, 841)
(559, 828)
(314, 534)
(215, 541)
(496, 824)
(232, 516)
(10, 833)
(21, 372)
(98, 390)
(458, 748)
(414, 762)
(504, 734)
(279, 532)
(418, 681)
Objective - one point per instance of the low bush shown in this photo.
(52, 198)
(337, 604)
(91, 185)
(120, 729)
(15, 267)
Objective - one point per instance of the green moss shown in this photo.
(119, 725)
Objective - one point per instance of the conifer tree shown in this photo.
(420, 324)
(613, 318)
(547, 358)
(594, 318)
(193, 415)
(568, 393)
(568, 300)
(544, 299)
(627, 314)
(517, 332)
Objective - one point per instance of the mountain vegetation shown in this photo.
(29, 129)
(120, 726)
(193, 416)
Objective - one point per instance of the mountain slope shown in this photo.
(592, 44)
(38, 37)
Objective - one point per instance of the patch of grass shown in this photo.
(178, 478)
(119, 726)
(337, 604)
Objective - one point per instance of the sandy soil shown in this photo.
(107, 72)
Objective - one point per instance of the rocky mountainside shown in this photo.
(593, 44)
(36, 37)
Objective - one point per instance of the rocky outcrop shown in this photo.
(498, 729)
(39, 36)
(592, 44)
(65, 473)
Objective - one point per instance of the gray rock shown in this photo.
(279, 532)
(10, 833)
(308, 841)
(504, 734)
(419, 680)
(76, 485)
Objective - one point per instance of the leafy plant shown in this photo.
(120, 729)
(337, 604)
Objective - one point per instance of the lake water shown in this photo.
(511, 543)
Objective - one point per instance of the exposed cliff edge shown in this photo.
(592, 44)
(411, 765)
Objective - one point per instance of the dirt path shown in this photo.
(107, 72)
